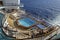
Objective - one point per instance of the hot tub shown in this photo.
(26, 22)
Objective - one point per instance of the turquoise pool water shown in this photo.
(2, 35)
(26, 22)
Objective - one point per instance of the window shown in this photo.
(1, 3)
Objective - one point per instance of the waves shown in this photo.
(47, 9)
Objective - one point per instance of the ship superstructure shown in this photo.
(9, 2)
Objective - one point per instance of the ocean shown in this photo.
(46, 9)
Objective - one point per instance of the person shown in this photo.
(32, 34)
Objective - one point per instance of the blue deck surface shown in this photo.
(26, 22)
(41, 26)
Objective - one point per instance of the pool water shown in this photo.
(2, 35)
(27, 22)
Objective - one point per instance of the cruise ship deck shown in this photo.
(21, 26)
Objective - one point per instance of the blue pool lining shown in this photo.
(26, 22)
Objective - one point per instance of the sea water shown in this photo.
(46, 9)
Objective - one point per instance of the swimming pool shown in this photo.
(1, 18)
(26, 22)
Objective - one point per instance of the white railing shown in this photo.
(11, 4)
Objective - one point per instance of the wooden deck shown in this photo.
(10, 21)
